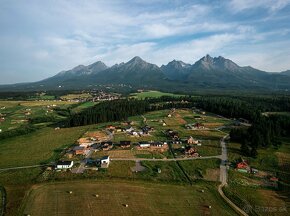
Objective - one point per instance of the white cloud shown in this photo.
(271, 5)
(47, 37)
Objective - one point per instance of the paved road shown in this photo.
(110, 134)
(224, 158)
(165, 159)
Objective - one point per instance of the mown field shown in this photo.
(141, 198)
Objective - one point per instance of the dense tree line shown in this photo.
(108, 111)
(41, 119)
(264, 132)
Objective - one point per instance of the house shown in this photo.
(274, 179)
(243, 166)
(254, 171)
(173, 134)
(197, 117)
(176, 142)
(144, 144)
(79, 150)
(111, 127)
(64, 164)
(146, 129)
(119, 129)
(134, 133)
(125, 144)
(105, 161)
(191, 140)
(85, 142)
(160, 146)
(106, 146)
(197, 126)
(130, 130)
(188, 126)
(190, 151)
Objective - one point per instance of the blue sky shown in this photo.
(40, 38)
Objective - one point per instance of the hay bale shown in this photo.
(70, 192)
(126, 205)
(202, 191)
(96, 195)
(209, 207)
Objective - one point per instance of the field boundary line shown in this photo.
(23, 167)
(3, 203)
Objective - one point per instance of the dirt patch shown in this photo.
(99, 135)
(138, 167)
(212, 174)
(210, 125)
(117, 153)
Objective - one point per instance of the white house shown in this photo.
(144, 144)
(105, 160)
(64, 164)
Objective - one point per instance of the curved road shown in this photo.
(224, 177)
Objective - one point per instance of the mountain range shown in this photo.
(208, 72)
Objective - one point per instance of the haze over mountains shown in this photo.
(208, 72)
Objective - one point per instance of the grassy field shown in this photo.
(35, 148)
(141, 198)
(247, 190)
(17, 113)
(33, 103)
(16, 183)
(202, 169)
(84, 106)
(38, 147)
(76, 96)
(258, 201)
(153, 94)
